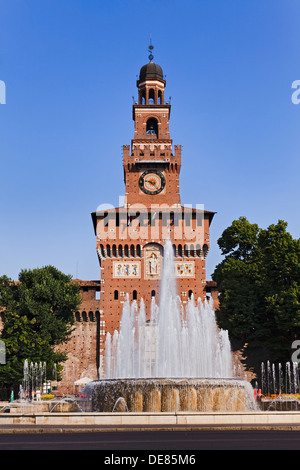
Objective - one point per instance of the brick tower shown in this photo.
(130, 239)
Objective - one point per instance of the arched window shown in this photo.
(143, 97)
(108, 251)
(159, 97)
(152, 126)
(151, 96)
(153, 293)
(114, 251)
(180, 251)
(134, 295)
(116, 295)
(91, 316)
(120, 251)
(126, 251)
(77, 316)
(84, 316)
(190, 294)
(186, 251)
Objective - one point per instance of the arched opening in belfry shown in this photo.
(143, 97)
(151, 96)
(152, 127)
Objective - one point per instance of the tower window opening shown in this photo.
(91, 316)
(77, 316)
(84, 316)
(152, 127)
(190, 294)
(159, 97)
(186, 251)
(134, 295)
(174, 251)
(151, 96)
(153, 293)
(180, 251)
(102, 251)
(116, 295)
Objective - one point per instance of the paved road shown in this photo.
(176, 441)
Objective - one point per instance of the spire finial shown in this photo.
(150, 49)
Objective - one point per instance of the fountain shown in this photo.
(177, 360)
(280, 388)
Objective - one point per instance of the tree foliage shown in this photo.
(259, 284)
(38, 316)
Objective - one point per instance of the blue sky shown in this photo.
(70, 70)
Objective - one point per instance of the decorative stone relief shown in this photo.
(129, 269)
(153, 261)
(185, 269)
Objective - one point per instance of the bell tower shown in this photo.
(150, 168)
(131, 238)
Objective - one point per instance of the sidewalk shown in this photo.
(92, 422)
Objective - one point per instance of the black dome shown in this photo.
(151, 70)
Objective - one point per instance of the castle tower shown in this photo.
(130, 239)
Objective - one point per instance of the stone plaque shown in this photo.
(129, 269)
(185, 269)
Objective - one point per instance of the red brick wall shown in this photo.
(83, 347)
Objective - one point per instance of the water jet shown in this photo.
(177, 360)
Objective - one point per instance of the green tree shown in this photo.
(278, 258)
(259, 284)
(239, 239)
(38, 316)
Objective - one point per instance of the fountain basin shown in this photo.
(168, 395)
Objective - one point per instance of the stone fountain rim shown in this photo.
(171, 380)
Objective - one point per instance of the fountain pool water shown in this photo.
(177, 360)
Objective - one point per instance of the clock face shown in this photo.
(152, 182)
